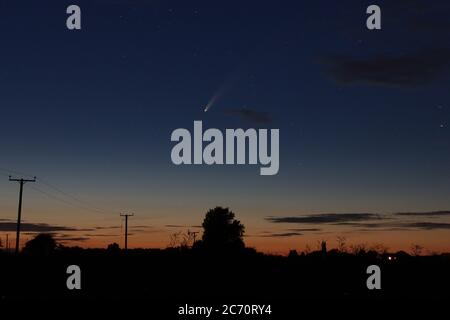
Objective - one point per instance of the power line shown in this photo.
(65, 201)
(84, 203)
(19, 211)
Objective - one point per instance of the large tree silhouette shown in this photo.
(221, 230)
(42, 245)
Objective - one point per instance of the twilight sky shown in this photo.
(364, 119)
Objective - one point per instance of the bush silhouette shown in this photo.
(221, 230)
(42, 245)
(113, 248)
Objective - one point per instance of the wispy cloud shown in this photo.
(281, 235)
(250, 115)
(424, 214)
(105, 228)
(325, 218)
(398, 226)
(181, 226)
(99, 235)
(71, 238)
(369, 221)
(305, 229)
(62, 237)
(37, 227)
(427, 225)
(142, 227)
(403, 70)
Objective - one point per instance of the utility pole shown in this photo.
(19, 211)
(194, 234)
(126, 215)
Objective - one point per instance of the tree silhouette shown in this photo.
(221, 230)
(42, 245)
(113, 247)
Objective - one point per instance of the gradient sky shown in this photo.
(364, 119)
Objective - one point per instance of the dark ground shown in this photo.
(162, 280)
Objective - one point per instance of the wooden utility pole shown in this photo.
(194, 234)
(126, 215)
(19, 211)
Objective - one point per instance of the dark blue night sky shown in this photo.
(364, 116)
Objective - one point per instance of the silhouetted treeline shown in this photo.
(217, 268)
(183, 273)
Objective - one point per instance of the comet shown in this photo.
(220, 92)
(213, 100)
(215, 97)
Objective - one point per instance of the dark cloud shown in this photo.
(325, 218)
(405, 70)
(180, 226)
(36, 227)
(64, 239)
(99, 235)
(142, 227)
(427, 225)
(304, 229)
(61, 237)
(105, 228)
(250, 115)
(433, 25)
(398, 226)
(368, 221)
(138, 230)
(282, 235)
(420, 16)
(381, 229)
(363, 225)
(425, 214)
